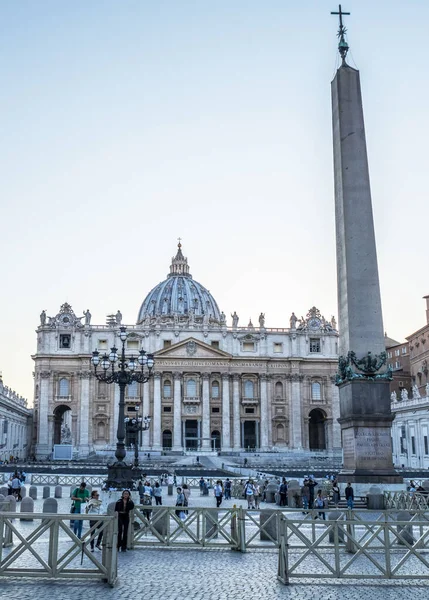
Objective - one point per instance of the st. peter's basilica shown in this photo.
(215, 386)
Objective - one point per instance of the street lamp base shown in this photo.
(121, 476)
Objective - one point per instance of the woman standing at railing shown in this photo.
(186, 494)
(123, 508)
(157, 494)
(94, 507)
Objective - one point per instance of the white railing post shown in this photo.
(283, 566)
(242, 529)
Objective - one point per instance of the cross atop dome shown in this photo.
(179, 263)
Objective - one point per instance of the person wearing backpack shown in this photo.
(227, 489)
(283, 493)
(249, 493)
(320, 503)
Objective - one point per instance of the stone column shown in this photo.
(270, 409)
(206, 412)
(236, 411)
(146, 403)
(177, 415)
(296, 412)
(264, 412)
(335, 401)
(43, 448)
(84, 413)
(156, 427)
(50, 433)
(226, 417)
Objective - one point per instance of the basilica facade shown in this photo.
(215, 386)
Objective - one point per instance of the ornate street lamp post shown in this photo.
(123, 371)
(134, 426)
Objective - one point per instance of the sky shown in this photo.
(126, 124)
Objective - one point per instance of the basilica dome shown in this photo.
(180, 296)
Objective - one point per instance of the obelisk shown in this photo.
(363, 377)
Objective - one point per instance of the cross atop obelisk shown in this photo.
(343, 46)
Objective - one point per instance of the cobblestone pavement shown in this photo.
(197, 574)
(179, 574)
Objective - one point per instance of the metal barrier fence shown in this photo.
(234, 528)
(45, 546)
(405, 500)
(391, 546)
(41, 479)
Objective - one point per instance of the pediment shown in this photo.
(191, 348)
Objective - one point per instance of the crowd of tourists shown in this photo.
(14, 484)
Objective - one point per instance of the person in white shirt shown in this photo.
(95, 507)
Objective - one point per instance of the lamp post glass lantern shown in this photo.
(123, 370)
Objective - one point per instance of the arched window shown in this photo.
(63, 387)
(279, 389)
(167, 388)
(132, 390)
(215, 389)
(249, 389)
(316, 393)
(191, 388)
(101, 428)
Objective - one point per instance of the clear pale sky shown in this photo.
(126, 124)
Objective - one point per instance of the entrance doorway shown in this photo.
(316, 430)
(249, 434)
(215, 440)
(62, 425)
(191, 440)
(167, 439)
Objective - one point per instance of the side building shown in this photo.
(215, 387)
(15, 424)
(410, 429)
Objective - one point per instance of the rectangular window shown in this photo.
(166, 409)
(167, 343)
(278, 348)
(65, 340)
(215, 344)
(389, 355)
(403, 440)
(397, 352)
(248, 346)
(215, 409)
(413, 445)
(425, 440)
(102, 345)
(132, 344)
(314, 344)
(397, 365)
(404, 350)
(250, 411)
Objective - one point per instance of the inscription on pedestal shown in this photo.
(367, 447)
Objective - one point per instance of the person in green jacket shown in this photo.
(79, 495)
